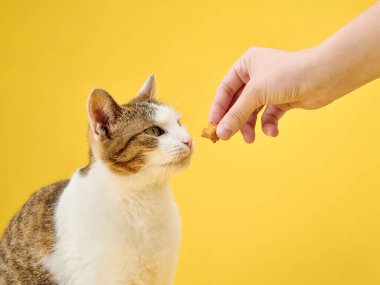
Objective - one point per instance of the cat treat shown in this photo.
(210, 132)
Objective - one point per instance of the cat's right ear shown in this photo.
(148, 90)
(102, 112)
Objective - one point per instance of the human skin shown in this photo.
(310, 79)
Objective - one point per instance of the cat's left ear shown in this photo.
(148, 90)
(102, 112)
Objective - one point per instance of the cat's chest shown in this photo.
(140, 245)
(99, 235)
(146, 232)
(140, 226)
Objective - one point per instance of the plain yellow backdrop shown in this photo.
(303, 208)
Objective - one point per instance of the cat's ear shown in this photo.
(102, 112)
(148, 90)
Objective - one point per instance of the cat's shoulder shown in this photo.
(48, 195)
(37, 210)
(30, 237)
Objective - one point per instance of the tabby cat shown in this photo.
(115, 221)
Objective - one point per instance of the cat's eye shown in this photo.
(179, 123)
(154, 131)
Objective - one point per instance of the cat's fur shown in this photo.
(115, 221)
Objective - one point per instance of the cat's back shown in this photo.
(29, 238)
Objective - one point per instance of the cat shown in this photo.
(115, 221)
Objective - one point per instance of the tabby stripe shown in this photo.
(123, 162)
(127, 165)
(130, 140)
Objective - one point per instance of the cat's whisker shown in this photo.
(178, 100)
(171, 101)
(177, 153)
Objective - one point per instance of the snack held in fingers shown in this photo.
(210, 132)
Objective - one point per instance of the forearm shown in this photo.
(351, 57)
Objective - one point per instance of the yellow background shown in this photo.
(299, 209)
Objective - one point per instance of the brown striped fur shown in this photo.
(28, 238)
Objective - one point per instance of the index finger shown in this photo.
(225, 92)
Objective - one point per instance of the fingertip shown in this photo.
(248, 134)
(270, 130)
(223, 131)
(249, 138)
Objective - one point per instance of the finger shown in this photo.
(239, 113)
(236, 97)
(235, 78)
(248, 129)
(270, 118)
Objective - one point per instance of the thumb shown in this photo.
(239, 112)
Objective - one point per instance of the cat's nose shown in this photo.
(188, 142)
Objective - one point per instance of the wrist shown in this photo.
(325, 76)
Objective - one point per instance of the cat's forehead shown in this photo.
(140, 111)
(151, 112)
(165, 115)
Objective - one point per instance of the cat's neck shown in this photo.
(141, 182)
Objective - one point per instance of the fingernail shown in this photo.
(223, 131)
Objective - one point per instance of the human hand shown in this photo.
(280, 80)
(309, 79)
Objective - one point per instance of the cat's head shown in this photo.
(143, 135)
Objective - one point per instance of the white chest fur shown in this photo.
(113, 230)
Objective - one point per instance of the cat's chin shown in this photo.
(180, 164)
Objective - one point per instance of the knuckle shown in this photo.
(241, 68)
(251, 89)
(270, 117)
(219, 108)
(256, 91)
(252, 50)
(260, 91)
(263, 98)
(227, 89)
